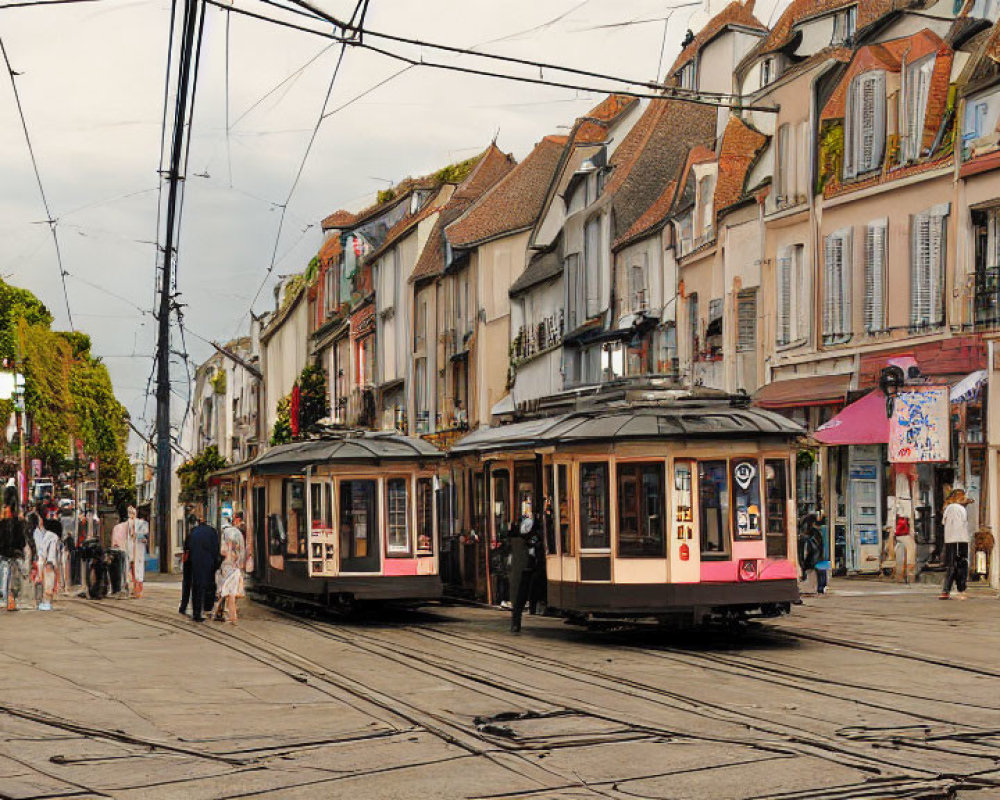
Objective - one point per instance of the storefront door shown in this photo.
(864, 510)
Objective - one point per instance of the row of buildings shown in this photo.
(807, 203)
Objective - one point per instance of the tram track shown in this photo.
(473, 743)
(792, 739)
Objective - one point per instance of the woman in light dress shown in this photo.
(137, 543)
(231, 572)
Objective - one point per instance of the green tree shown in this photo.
(193, 474)
(314, 405)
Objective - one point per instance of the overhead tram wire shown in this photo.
(302, 163)
(658, 91)
(50, 220)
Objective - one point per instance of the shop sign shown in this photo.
(919, 426)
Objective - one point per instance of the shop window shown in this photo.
(565, 501)
(295, 517)
(713, 508)
(359, 550)
(595, 533)
(425, 516)
(397, 518)
(640, 510)
(776, 508)
(746, 496)
(501, 503)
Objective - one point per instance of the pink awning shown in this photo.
(862, 422)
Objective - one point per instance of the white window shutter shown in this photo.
(784, 281)
(846, 265)
(936, 264)
(803, 299)
(851, 128)
(871, 119)
(830, 282)
(875, 258)
(920, 267)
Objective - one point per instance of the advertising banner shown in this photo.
(919, 427)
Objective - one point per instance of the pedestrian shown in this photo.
(525, 554)
(202, 544)
(811, 550)
(231, 572)
(12, 544)
(47, 554)
(956, 543)
(138, 540)
(185, 576)
(119, 551)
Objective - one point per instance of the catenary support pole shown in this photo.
(164, 465)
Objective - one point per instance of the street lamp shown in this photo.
(890, 381)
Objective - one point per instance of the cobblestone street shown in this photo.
(876, 691)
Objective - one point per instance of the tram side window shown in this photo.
(358, 528)
(295, 515)
(524, 474)
(746, 497)
(595, 534)
(640, 510)
(565, 510)
(397, 518)
(713, 508)
(549, 513)
(425, 516)
(776, 517)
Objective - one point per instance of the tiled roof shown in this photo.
(515, 202)
(888, 56)
(543, 266)
(992, 46)
(736, 13)
(339, 219)
(431, 260)
(653, 154)
(403, 227)
(330, 250)
(651, 218)
(868, 12)
(739, 148)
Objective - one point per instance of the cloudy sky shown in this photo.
(91, 85)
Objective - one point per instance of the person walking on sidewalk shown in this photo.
(119, 551)
(12, 544)
(47, 547)
(231, 571)
(203, 546)
(138, 538)
(956, 543)
(525, 555)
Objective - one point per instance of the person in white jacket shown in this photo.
(956, 543)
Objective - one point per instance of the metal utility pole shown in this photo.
(193, 11)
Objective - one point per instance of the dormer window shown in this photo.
(844, 25)
(864, 124)
(686, 76)
(917, 78)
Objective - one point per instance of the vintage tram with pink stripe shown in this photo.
(679, 511)
(346, 518)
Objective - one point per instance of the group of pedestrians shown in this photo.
(213, 570)
(129, 541)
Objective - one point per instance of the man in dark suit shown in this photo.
(202, 547)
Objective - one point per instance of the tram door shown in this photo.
(259, 530)
(500, 519)
(359, 535)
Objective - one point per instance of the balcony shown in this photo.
(987, 300)
(361, 407)
(533, 339)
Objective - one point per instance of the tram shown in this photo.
(679, 511)
(339, 520)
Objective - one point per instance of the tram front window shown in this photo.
(713, 504)
(359, 545)
(595, 534)
(501, 503)
(640, 510)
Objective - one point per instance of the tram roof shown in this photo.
(362, 447)
(677, 421)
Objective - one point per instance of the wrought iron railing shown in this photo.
(532, 339)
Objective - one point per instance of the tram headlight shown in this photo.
(748, 569)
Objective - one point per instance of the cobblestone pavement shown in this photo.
(874, 692)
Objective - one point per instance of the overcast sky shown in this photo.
(91, 85)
